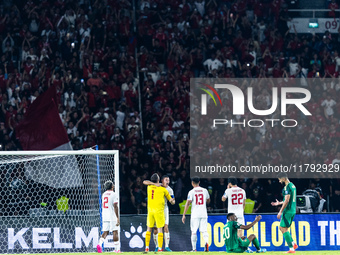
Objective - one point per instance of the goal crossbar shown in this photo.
(52, 152)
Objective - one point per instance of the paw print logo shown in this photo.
(135, 236)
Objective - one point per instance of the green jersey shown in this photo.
(230, 235)
(290, 189)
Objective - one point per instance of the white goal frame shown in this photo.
(92, 152)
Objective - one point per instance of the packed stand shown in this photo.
(181, 40)
(88, 52)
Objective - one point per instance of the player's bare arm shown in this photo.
(115, 206)
(208, 201)
(224, 198)
(187, 204)
(246, 227)
(147, 182)
(172, 201)
(284, 205)
(276, 203)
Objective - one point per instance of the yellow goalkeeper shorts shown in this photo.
(155, 217)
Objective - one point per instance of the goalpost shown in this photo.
(51, 200)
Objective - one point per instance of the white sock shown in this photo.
(205, 237)
(155, 239)
(101, 241)
(167, 239)
(291, 249)
(117, 245)
(193, 240)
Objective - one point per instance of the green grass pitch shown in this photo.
(204, 253)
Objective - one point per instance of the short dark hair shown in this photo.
(154, 177)
(229, 215)
(164, 176)
(195, 179)
(232, 180)
(282, 175)
(108, 185)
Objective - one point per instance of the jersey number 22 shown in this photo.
(236, 199)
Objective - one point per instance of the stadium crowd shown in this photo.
(87, 50)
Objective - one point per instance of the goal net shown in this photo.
(51, 200)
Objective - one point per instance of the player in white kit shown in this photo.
(236, 201)
(165, 180)
(199, 198)
(110, 215)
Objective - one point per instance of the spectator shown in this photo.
(322, 204)
(336, 200)
(328, 105)
(95, 80)
(256, 197)
(333, 6)
(212, 63)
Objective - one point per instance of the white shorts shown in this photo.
(110, 226)
(199, 223)
(113, 226)
(106, 226)
(166, 214)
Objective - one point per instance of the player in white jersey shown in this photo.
(165, 180)
(236, 201)
(110, 216)
(199, 198)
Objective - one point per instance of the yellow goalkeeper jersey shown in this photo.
(156, 198)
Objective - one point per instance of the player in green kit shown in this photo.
(287, 211)
(237, 244)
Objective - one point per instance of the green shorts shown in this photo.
(286, 220)
(242, 246)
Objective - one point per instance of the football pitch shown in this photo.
(204, 253)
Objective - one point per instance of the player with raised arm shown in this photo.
(287, 211)
(165, 180)
(237, 244)
(199, 198)
(156, 195)
(110, 214)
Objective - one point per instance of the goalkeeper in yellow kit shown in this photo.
(156, 203)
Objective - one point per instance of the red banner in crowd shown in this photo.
(41, 128)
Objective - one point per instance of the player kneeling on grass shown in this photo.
(110, 216)
(237, 244)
